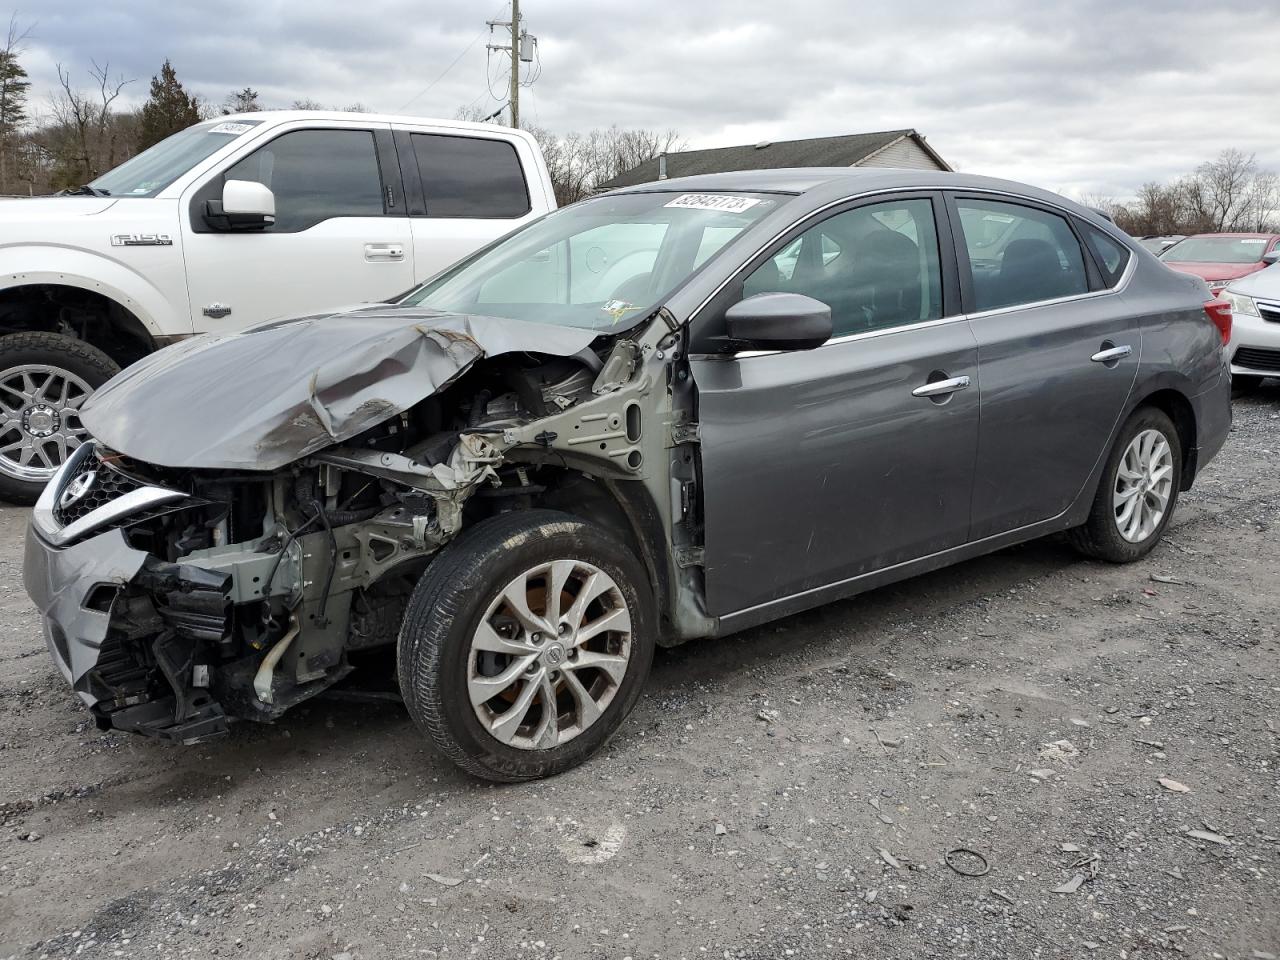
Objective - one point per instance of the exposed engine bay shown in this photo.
(224, 592)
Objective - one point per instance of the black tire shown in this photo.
(76, 357)
(1244, 384)
(448, 605)
(1099, 537)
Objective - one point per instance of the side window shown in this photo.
(470, 177)
(316, 175)
(1019, 254)
(875, 266)
(1112, 256)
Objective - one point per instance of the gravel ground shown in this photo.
(1105, 737)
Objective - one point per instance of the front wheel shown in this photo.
(526, 643)
(1138, 492)
(44, 378)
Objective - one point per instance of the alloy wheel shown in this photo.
(549, 655)
(39, 419)
(1144, 485)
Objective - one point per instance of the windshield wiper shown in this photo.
(84, 190)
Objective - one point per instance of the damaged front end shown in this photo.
(192, 570)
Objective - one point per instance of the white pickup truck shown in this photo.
(230, 222)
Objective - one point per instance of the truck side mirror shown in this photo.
(245, 205)
(1271, 256)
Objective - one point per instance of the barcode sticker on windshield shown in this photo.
(713, 201)
(231, 127)
(1263, 240)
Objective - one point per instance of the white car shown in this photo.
(230, 222)
(1255, 327)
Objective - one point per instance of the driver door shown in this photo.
(820, 466)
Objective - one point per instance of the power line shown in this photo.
(465, 51)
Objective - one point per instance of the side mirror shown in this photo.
(779, 321)
(1271, 256)
(245, 205)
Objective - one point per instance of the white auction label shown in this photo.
(723, 202)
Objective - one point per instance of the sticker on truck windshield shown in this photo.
(233, 127)
(713, 201)
(1263, 240)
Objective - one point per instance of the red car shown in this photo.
(1220, 258)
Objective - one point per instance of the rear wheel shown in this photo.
(1138, 492)
(526, 644)
(44, 379)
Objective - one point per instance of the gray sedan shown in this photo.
(668, 412)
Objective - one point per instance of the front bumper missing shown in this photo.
(132, 662)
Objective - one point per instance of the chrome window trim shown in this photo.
(1120, 284)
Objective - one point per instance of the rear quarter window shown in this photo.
(1112, 256)
(470, 177)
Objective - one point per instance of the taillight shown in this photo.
(1219, 312)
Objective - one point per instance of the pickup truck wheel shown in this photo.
(526, 643)
(44, 378)
(1138, 492)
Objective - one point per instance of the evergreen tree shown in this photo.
(13, 103)
(242, 101)
(169, 110)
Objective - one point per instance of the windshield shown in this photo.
(156, 167)
(599, 263)
(1216, 250)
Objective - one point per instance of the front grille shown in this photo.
(108, 484)
(1256, 358)
(1269, 311)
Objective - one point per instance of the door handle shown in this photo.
(374, 252)
(940, 388)
(1111, 354)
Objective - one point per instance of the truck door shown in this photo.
(341, 234)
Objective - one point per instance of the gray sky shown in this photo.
(1092, 96)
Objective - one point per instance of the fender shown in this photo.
(47, 263)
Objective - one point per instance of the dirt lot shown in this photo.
(788, 792)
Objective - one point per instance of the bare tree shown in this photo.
(1225, 184)
(91, 144)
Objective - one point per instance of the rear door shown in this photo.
(821, 465)
(1058, 350)
(340, 236)
(465, 191)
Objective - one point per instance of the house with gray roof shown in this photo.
(888, 148)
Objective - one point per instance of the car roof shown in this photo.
(851, 180)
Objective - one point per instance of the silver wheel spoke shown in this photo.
(486, 688)
(548, 733)
(618, 619)
(588, 709)
(507, 724)
(490, 640)
(614, 666)
(517, 598)
(557, 578)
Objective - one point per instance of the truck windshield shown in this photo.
(156, 167)
(598, 264)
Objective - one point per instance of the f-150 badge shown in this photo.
(141, 240)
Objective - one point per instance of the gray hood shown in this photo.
(266, 396)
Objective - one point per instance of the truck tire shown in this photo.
(44, 378)
(526, 643)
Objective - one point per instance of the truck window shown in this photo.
(470, 177)
(316, 175)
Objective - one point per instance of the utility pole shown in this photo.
(515, 63)
(521, 49)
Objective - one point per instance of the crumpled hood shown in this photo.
(51, 208)
(263, 397)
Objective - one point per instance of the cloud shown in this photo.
(1092, 96)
